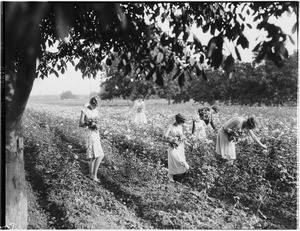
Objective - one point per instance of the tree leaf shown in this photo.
(198, 70)
(159, 79)
(170, 66)
(202, 58)
(127, 69)
(243, 41)
(163, 40)
(229, 64)
(52, 71)
(176, 74)
(150, 74)
(185, 36)
(294, 29)
(108, 62)
(159, 57)
(241, 17)
(205, 28)
(204, 75)
(181, 80)
(212, 44)
(212, 29)
(292, 40)
(238, 53)
(197, 43)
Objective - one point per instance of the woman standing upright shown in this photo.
(206, 115)
(198, 128)
(139, 107)
(229, 133)
(177, 164)
(90, 118)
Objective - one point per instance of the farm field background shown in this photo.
(258, 192)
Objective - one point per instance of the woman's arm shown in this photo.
(212, 123)
(166, 134)
(82, 120)
(193, 128)
(253, 136)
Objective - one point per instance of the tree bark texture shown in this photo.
(16, 200)
(18, 88)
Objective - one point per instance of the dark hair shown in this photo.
(215, 108)
(201, 111)
(179, 118)
(252, 123)
(94, 101)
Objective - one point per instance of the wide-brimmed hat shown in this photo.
(179, 118)
(94, 100)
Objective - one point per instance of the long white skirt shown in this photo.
(93, 144)
(224, 147)
(176, 160)
(140, 118)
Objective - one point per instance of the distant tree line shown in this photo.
(248, 85)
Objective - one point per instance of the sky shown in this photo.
(73, 81)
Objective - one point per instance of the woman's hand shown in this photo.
(186, 165)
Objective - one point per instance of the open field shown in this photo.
(259, 191)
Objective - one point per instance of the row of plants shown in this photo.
(248, 185)
(141, 186)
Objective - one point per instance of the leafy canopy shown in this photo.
(89, 33)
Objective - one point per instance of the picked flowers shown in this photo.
(92, 123)
(234, 134)
(139, 109)
(174, 141)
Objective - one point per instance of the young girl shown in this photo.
(177, 164)
(139, 107)
(90, 118)
(198, 128)
(229, 133)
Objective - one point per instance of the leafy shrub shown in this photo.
(67, 95)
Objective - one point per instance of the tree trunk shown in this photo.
(18, 88)
(16, 200)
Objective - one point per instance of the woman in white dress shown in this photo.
(198, 129)
(139, 108)
(177, 164)
(89, 119)
(229, 133)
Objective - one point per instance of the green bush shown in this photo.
(67, 95)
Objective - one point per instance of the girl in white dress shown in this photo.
(89, 118)
(198, 129)
(229, 133)
(139, 108)
(177, 164)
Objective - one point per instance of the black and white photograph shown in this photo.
(149, 115)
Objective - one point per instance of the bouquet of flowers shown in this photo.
(92, 123)
(234, 134)
(174, 141)
(139, 109)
